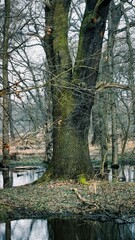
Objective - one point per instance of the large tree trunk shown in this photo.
(73, 89)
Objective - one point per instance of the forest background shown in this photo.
(67, 88)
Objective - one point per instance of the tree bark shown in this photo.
(72, 102)
(114, 131)
(113, 24)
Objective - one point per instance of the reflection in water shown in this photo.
(124, 173)
(62, 229)
(8, 230)
(93, 230)
(10, 178)
(24, 229)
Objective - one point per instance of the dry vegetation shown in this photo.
(28, 144)
(34, 144)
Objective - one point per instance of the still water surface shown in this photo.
(124, 173)
(61, 229)
(13, 178)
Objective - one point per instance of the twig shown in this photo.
(83, 200)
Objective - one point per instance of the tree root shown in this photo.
(46, 177)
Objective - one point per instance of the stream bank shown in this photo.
(112, 200)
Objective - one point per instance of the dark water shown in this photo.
(12, 178)
(61, 229)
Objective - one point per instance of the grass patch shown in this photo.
(27, 161)
(4, 211)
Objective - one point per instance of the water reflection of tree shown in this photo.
(124, 173)
(10, 178)
(78, 230)
(65, 229)
(29, 229)
(8, 230)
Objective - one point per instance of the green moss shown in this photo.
(71, 153)
(82, 179)
(87, 23)
(60, 35)
(66, 104)
(26, 160)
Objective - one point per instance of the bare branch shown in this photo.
(47, 4)
(103, 85)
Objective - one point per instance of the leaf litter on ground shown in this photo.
(62, 197)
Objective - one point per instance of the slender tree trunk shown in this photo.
(48, 124)
(73, 89)
(114, 131)
(104, 131)
(7, 181)
(100, 126)
(11, 121)
(125, 129)
(131, 77)
(106, 70)
(100, 122)
(6, 83)
(111, 39)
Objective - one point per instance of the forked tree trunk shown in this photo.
(73, 89)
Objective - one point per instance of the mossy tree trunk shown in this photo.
(73, 88)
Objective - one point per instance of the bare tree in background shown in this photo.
(5, 59)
